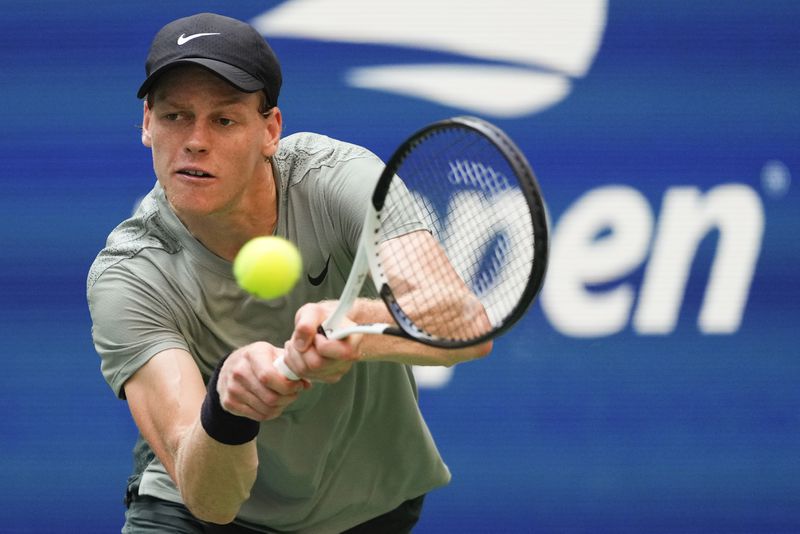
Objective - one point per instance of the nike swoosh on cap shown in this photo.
(317, 280)
(183, 39)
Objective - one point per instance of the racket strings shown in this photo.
(463, 275)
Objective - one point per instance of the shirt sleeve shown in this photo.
(130, 325)
(349, 193)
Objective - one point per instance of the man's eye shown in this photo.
(224, 121)
(172, 116)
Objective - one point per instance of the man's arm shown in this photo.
(165, 397)
(430, 291)
(315, 357)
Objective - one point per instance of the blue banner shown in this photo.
(654, 384)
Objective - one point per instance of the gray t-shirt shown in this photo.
(342, 453)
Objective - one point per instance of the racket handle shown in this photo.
(283, 369)
(280, 362)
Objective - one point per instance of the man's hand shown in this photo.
(250, 386)
(315, 357)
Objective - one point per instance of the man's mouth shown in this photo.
(195, 173)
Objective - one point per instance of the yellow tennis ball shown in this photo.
(268, 267)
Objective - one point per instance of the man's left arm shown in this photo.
(313, 356)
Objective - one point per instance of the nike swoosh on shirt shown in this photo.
(183, 39)
(317, 280)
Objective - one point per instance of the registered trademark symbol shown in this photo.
(776, 178)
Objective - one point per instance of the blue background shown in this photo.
(683, 432)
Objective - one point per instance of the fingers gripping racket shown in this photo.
(455, 239)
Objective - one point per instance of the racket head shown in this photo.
(477, 196)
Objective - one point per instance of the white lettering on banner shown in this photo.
(687, 217)
(580, 259)
(609, 232)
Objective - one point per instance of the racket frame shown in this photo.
(367, 261)
(527, 180)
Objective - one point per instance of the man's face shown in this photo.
(209, 143)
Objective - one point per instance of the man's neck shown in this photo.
(225, 233)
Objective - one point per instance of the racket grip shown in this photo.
(283, 369)
(280, 363)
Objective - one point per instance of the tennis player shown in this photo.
(224, 438)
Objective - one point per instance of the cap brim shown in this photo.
(233, 75)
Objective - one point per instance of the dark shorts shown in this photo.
(150, 515)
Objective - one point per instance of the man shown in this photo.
(225, 438)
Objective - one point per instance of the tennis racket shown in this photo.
(455, 239)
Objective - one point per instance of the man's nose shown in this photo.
(198, 140)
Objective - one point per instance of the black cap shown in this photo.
(230, 48)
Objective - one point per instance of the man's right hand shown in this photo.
(250, 386)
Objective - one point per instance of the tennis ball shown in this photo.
(268, 267)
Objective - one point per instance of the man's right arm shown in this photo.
(165, 397)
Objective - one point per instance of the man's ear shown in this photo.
(274, 129)
(147, 140)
